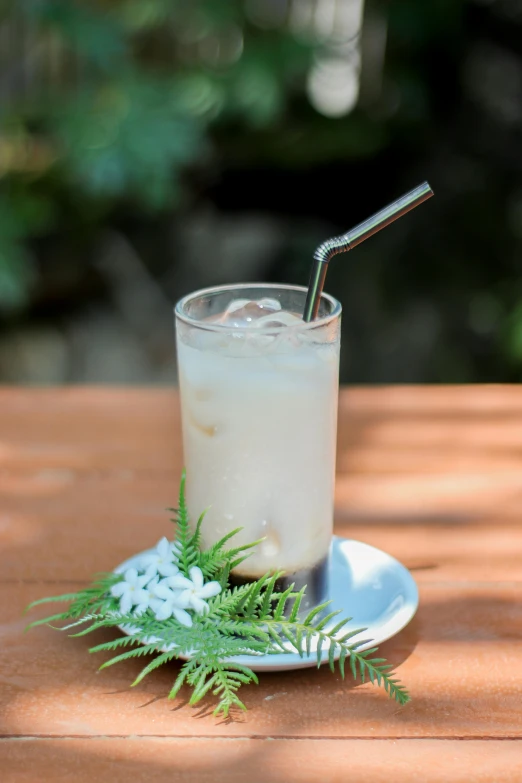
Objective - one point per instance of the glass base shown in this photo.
(315, 578)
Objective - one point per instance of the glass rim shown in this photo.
(216, 327)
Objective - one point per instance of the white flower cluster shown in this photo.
(157, 584)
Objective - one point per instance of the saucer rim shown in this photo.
(292, 661)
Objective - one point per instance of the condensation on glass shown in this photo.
(259, 419)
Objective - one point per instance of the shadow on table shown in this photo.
(210, 758)
(302, 704)
(298, 705)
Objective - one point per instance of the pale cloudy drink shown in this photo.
(259, 414)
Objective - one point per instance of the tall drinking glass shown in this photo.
(259, 391)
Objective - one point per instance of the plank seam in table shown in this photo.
(473, 532)
(256, 737)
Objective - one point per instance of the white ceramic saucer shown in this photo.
(368, 585)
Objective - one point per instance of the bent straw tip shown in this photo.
(354, 237)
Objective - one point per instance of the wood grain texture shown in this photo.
(156, 760)
(460, 658)
(431, 475)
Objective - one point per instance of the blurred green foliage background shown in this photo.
(149, 148)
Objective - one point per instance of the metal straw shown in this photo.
(354, 237)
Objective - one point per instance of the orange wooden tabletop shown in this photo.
(431, 475)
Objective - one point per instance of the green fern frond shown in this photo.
(52, 599)
(254, 597)
(195, 541)
(302, 635)
(227, 604)
(45, 621)
(121, 641)
(156, 663)
(297, 605)
(207, 555)
(281, 603)
(94, 599)
(226, 688)
(216, 559)
(250, 620)
(189, 553)
(187, 667)
(137, 652)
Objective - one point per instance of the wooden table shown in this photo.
(431, 475)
